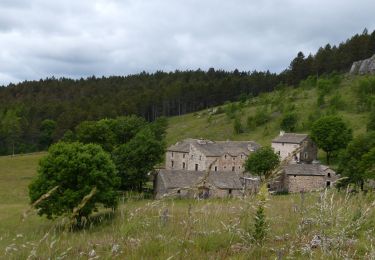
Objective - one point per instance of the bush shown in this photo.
(365, 92)
(336, 102)
(76, 169)
(289, 122)
(237, 126)
(261, 116)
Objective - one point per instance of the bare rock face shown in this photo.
(363, 67)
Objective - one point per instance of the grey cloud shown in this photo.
(40, 38)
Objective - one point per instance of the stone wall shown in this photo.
(226, 162)
(305, 183)
(178, 159)
(307, 154)
(196, 157)
(284, 149)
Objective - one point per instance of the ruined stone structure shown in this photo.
(198, 155)
(286, 143)
(193, 184)
(363, 67)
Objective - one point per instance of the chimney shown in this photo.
(282, 132)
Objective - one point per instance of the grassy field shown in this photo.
(176, 229)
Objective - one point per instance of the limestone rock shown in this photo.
(363, 67)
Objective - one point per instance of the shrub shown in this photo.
(365, 92)
(289, 122)
(237, 126)
(261, 116)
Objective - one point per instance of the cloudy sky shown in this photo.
(80, 38)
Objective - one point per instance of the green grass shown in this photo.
(209, 229)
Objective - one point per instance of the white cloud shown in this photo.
(40, 38)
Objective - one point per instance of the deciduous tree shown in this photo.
(76, 169)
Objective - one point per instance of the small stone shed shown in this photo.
(193, 184)
(305, 177)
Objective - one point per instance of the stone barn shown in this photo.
(304, 177)
(193, 184)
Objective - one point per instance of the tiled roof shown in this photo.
(183, 179)
(305, 169)
(219, 148)
(290, 138)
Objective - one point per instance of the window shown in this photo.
(200, 157)
(179, 191)
(241, 156)
(215, 168)
(172, 154)
(278, 152)
(305, 155)
(230, 191)
(183, 165)
(328, 184)
(233, 169)
(172, 163)
(225, 156)
(329, 175)
(234, 158)
(183, 156)
(196, 167)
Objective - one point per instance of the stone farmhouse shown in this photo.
(187, 163)
(199, 154)
(303, 172)
(286, 143)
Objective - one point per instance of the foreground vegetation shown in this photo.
(318, 225)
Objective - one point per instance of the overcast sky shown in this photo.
(80, 38)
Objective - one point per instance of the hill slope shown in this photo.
(341, 95)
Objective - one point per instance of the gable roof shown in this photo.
(305, 169)
(219, 148)
(291, 138)
(173, 179)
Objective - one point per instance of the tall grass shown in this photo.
(316, 225)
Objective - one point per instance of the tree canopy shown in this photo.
(76, 169)
(331, 134)
(262, 162)
(357, 162)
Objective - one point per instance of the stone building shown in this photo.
(198, 155)
(286, 143)
(304, 177)
(303, 172)
(199, 184)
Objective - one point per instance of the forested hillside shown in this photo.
(35, 113)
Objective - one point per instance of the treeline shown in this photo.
(34, 114)
(330, 58)
(25, 107)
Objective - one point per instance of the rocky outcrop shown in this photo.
(363, 67)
